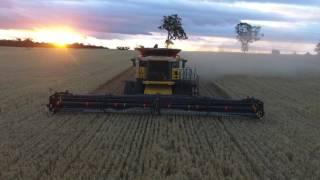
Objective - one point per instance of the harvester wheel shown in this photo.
(133, 87)
(183, 88)
(129, 88)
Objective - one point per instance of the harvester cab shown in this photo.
(162, 71)
(163, 84)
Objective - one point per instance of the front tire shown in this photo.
(129, 88)
(133, 87)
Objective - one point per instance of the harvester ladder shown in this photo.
(191, 75)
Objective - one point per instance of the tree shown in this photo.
(246, 34)
(173, 25)
(317, 49)
(28, 42)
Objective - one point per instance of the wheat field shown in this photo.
(35, 145)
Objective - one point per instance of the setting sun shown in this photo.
(59, 36)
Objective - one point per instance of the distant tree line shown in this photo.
(29, 43)
(80, 45)
(123, 47)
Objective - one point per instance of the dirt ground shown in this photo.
(284, 145)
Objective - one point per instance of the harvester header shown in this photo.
(163, 84)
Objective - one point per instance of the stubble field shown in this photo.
(33, 145)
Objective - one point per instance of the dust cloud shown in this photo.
(213, 65)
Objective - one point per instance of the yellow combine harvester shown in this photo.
(162, 71)
(163, 84)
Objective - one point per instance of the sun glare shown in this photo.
(59, 36)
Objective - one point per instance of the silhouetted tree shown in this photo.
(317, 49)
(173, 25)
(246, 34)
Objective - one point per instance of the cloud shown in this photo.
(293, 12)
(297, 2)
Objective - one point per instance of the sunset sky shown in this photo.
(288, 25)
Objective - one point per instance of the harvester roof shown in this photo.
(158, 58)
(158, 52)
